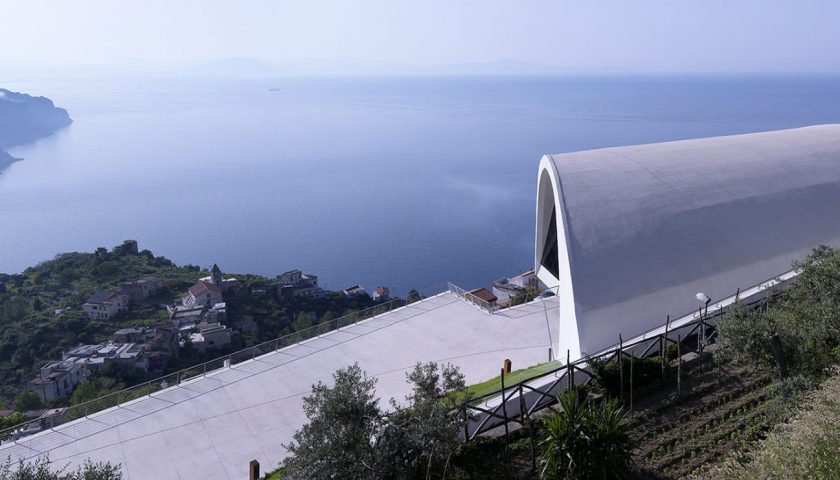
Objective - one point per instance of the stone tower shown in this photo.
(216, 275)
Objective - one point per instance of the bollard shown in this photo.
(507, 365)
(254, 470)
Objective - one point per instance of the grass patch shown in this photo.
(495, 384)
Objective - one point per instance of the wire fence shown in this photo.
(110, 400)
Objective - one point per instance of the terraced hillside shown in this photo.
(720, 410)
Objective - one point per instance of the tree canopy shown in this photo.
(804, 319)
(349, 436)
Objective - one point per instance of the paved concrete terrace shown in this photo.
(211, 427)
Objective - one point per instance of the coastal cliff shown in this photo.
(24, 118)
(6, 159)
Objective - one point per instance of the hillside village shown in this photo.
(146, 317)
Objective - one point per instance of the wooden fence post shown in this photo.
(621, 369)
(664, 344)
(568, 370)
(504, 412)
(717, 359)
(466, 424)
(679, 366)
(572, 371)
(631, 382)
(527, 416)
(778, 356)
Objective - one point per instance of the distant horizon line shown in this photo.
(345, 67)
(17, 76)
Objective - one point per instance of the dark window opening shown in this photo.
(550, 256)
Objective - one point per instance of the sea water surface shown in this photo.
(406, 182)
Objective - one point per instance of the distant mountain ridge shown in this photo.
(24, 118)
(355, 66)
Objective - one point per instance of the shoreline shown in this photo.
(7, 160)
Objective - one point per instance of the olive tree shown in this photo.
(348, 436)
(422, 436)
(799, 330)
(40, 470)
(338, 440)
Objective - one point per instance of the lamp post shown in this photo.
(703, 298)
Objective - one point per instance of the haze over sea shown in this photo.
(398, 181)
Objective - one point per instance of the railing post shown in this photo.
(466, 423)
(663, 344)
(631, 381)
(702, 340)
(568, 370)
(524, 408)
(679, 366)
(504, 412)
(621, 369)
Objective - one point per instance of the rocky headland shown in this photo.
(24, 118)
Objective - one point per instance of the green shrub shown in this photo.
(805, 318)
(646, 371)
(40, 470)
(524, 296)
(585, 441)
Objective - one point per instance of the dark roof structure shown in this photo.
(202, 287)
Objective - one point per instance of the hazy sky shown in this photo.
(632, 35)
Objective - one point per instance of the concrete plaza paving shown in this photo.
(211, 427)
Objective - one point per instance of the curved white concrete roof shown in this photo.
(643, 228)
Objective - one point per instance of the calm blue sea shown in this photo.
(403, 181)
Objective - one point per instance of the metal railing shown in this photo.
(104, 402)
(469, 297)
(518, 401)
